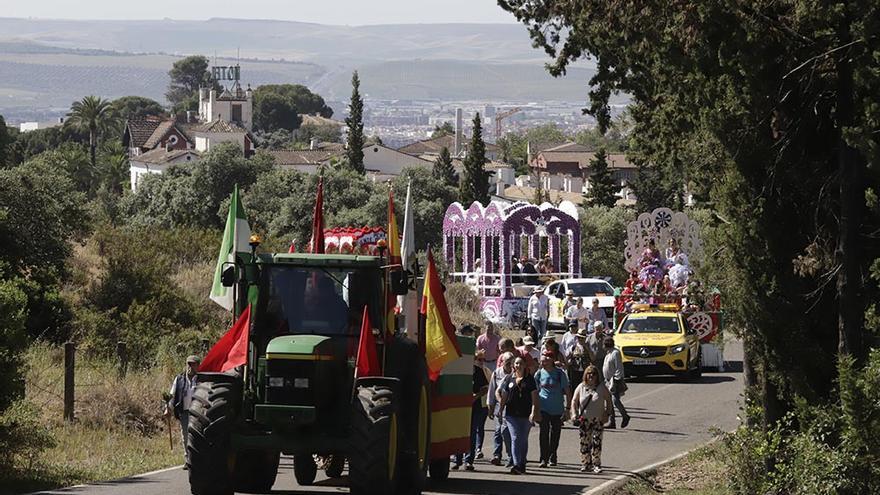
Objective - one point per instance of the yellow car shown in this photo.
(656, 340)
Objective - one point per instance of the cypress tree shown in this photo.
(602, 185)
(443, 169)
(475, 181)
(355, 123)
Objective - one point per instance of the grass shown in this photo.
(119, 430)
(701, 472)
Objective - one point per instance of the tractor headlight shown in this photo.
(677, 348)
(300, 383)
(276, 381)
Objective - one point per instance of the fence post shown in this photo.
(205, 347)
(69, 367)
(122, 354)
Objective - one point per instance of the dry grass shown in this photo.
(699, 473)
(118, 431)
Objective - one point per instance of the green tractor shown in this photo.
(297, 394)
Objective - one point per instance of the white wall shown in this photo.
(206, 140)
(137, 170)
(386, 161)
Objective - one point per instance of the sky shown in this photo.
(348, 12)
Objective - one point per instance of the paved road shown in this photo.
(669, 417)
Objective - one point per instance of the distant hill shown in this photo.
(50, 63)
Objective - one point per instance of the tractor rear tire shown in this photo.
(439, 470)
(255, 470)
(335, 466)
(373, 462)
(407, 364)
(208, 435)
(304, 469)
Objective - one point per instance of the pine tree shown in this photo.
(602, 187)
(443, 169)
(355, 123)
(475, 181)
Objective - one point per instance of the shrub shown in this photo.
(22, 437)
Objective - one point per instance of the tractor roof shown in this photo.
(351, 260)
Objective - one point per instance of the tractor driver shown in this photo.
(325, 306)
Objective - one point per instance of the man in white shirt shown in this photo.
(181, 393)
(539, 311)
(578, 314)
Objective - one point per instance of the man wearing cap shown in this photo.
(578, 314)
(181, 393)
(529, 354)
(569, 301)
(569, 340)
(539, 311)
(596, 346)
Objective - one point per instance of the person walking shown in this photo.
(519, 404)
(529, 353)
(488, 343)
(479, 412)
(502, 434)
(182, 388)
(578, 360)
(553, 395)
(597, 314)
(591, 406)
(596, 346)
(612, 370)
(569, 340)
(504, 345)
(578, 314)
(539, 312)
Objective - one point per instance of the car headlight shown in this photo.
(677, 348)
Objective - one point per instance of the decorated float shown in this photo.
(353, 240)
(663, 252)
(480, 243)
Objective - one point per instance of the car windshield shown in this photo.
(650, 324)
(590, 289)
(320, 301)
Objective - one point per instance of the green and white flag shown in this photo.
(236, 237)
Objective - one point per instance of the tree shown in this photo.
(320, 133)
(5, 144)
(136, 107)
(443, 168)
(30, 144)
(355, 123)
(95, 115)
(187, 76)
(444, 129)
(602, 186)
(475, 180)
(773, 108)
(298, 96)
(273, 111)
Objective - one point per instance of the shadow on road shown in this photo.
(706, 379)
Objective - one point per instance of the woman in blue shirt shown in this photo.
(553, 396)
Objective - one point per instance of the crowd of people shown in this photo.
(520, 385)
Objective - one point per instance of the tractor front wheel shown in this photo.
(373, 461)
(439, 469)
(210, 421)
(304, 469)
(255, 470)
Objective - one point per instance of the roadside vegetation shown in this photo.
(701, 472)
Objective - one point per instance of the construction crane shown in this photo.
(501, 116)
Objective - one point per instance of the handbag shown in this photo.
(619, 385)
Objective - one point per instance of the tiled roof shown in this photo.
(159, 134)
(569, 148)
(527, 193)
(583, 158)
(302, 157)
(159, 156)
(219, 126)
(140, 130)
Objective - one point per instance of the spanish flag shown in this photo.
(441, 346)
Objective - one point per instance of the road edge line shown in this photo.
(619, 480)
(84, 485)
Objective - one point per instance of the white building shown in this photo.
(157, 161)
(232, 105)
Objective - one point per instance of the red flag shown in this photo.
(292, 248)
(316, 246)
(367, 363)
(231, 350)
